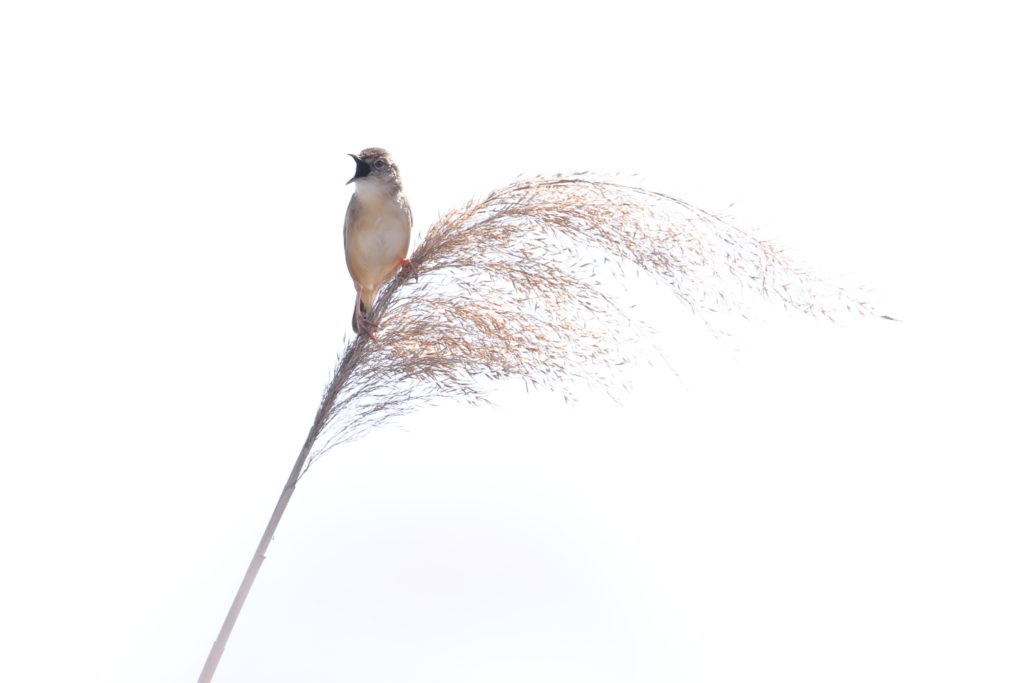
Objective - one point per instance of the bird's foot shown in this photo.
(411, 268)
(365, 327)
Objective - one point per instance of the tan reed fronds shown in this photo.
(510, 287)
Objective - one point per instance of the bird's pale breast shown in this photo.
(377, 239)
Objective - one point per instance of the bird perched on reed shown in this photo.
(378, 226)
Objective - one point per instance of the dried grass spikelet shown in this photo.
(508, 287)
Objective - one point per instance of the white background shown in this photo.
(803, 503)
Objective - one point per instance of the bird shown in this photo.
(378, 226)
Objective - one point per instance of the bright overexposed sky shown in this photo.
(797, 502)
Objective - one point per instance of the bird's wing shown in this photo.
(350, 219)
(405, 207)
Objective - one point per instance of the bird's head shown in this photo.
(375, 164)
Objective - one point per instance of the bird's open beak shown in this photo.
(362, 169)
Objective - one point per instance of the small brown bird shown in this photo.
(378, 226)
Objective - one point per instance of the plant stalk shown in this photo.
(213, 659)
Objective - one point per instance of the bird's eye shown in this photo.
(378, 164)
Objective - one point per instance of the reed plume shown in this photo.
(510, 287)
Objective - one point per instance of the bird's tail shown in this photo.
(364, 302)
(359, 310)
